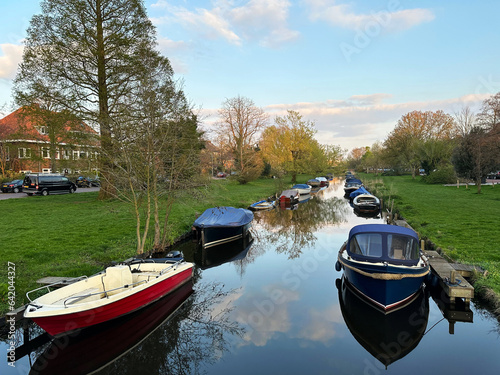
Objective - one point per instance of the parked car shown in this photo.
(494, 175)
(87, 182)
(221, 175)
(15, 186)
(44, 184)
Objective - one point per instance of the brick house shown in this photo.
(27, 145)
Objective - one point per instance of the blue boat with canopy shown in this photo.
(218, 225)
(384, 263)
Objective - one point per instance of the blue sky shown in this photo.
(352, 67)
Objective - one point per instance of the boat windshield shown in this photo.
(394, 248)
(403, 247)
(367, 244)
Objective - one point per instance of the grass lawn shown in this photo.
(466, 225)
(76, 234)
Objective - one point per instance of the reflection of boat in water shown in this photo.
(387, 337)
(384, 263)
(98, 346)
(217, 255)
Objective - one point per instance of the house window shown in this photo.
(45, 153)
(75, 155)
(42, 130)
(65, 154)
(7, 153)
(24, 153)
(58, 155)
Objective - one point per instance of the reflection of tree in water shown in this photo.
(196, 336)
(292, 231)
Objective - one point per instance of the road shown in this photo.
(23, 195)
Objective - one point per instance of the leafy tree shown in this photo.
(240, 123)
(289, 146)
(86, 56)
(472, 158)
(416, 137)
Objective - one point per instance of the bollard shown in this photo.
(422, 244)
(458, 184)
(453, 278)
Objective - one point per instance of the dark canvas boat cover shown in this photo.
(224, 217)
(360, 191)
(382, 228)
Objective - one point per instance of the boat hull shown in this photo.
(384, 286)
(62, 323)
(213, 236)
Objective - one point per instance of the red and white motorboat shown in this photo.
(117, 291)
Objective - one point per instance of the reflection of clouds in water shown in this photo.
(265, 313)
(321, 324)
(269, 312)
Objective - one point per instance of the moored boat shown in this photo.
(384, 263)
(323, 182)
(117, 291)
(262, 205)
(289, 196)
(302, 188)
(366, 203)
(219, 225)
(352, 186)
(314, 182)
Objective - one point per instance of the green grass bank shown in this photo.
(76, 234)
(464, 224)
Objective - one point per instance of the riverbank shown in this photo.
(76, 234)
(460, 222)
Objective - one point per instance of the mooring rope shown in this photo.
(384, 276)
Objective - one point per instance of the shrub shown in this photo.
(444, 175)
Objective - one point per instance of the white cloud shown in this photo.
(361, 120)
(12, 56)
(257, 20)
(392, 19)
(172, 49)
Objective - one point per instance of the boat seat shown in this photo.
(115, 278)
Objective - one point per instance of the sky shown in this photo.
(353, 68)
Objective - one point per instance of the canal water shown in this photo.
(274, 304)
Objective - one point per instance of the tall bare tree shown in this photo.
(240, 123)
(85, 55)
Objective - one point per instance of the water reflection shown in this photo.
(102, 344)
(293, 231)
(387, 337)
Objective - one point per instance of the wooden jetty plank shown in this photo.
(57, 280)
(466, 270)
(442, 269)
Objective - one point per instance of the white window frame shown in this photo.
(24, 153)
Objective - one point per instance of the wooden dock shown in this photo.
(451, 280)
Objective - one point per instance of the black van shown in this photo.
(42, 183)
